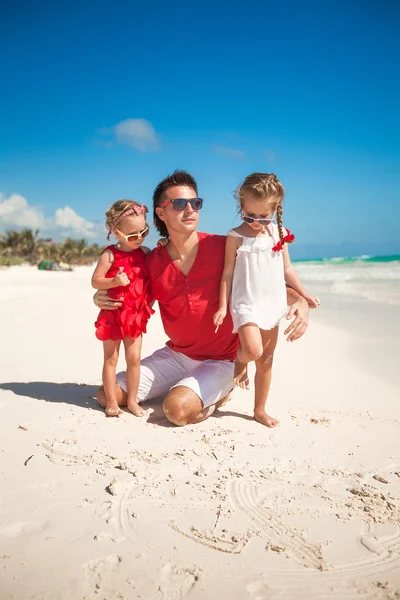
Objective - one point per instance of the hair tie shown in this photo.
(289, 237)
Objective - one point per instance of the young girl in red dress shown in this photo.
(121, 271)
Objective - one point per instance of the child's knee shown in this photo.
(133, 362)
(251, 352)
(112, 360)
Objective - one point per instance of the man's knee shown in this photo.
(120, 394)
(101, 397)
(175, 413)
(181, 406)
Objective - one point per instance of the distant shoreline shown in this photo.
(364, 258)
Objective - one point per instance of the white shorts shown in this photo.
(165, 369)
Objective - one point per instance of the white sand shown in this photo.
(134, 508)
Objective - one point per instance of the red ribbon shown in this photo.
(288, 238)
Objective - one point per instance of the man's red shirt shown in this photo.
(188, 303)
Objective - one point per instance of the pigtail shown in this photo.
(289, 237)
(279, 213)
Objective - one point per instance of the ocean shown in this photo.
(373, 278)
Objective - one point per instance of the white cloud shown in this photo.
(17, 213)
(67, 219)
(231, 152)
(136, 133)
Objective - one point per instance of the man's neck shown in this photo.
(181, 245)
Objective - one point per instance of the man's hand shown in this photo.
(299, 310)
(103, 300)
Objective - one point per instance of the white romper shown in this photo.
(258, 287)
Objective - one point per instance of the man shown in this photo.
(194, 371)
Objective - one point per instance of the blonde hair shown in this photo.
(264, 186)
(117, 209)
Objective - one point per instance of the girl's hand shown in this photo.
(219, 317)
(121, 278)
(162, 242)
(313, 301)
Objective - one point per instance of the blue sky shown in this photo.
(101, 100)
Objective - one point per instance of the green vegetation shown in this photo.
(17, 247)
(10, 261)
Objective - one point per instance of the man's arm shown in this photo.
(298, 312)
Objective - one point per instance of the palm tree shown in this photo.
(10, 243)
(47, 250)
(25, 244)
(28, 244)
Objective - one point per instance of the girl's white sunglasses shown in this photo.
(259, 221)
(133, 237)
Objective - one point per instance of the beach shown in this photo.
(97, 508)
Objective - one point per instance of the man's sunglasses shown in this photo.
(259, 221)
(133, 237)
(180, 204)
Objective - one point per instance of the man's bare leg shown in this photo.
(183, 407)
(119, 392)
(223, 400)
(240, 375)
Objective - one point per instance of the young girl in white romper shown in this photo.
(257, 265)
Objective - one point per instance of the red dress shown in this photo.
(131, 318)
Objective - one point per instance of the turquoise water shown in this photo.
(373, 278)
(351, 259)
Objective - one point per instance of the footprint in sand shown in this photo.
(24, 528)
(176, 583)
(258, 590)
(99, 577)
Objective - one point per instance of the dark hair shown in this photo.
(177, 178)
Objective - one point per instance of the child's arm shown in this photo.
(292, 279)
(104, 264)
(232, 244)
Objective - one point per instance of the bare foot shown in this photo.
(265, 419)
(112, 410)
(240, 375)
(136, 409)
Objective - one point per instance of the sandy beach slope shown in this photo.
(96, 508)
